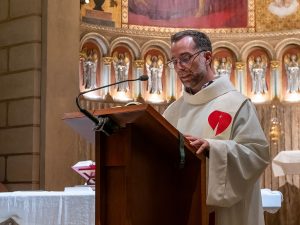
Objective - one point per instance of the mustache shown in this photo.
(185, 71)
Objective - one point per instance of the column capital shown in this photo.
(274, 64)
(239, 65)
(139, 63)
(107, 60)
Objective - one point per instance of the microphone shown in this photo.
(143, 78)
(100, 123)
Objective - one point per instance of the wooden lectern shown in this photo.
(146, 174)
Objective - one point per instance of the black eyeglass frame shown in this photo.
(188, 61)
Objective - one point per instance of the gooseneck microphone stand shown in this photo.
(104, 123)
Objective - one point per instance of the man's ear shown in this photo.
(208, 57)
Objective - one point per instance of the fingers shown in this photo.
(204, 146)
(200, 144)
(190, 138)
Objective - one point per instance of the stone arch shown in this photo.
(134, 48)
(228, 45)
(245, 50)
(165, 79)
(99, 40)
(267, 83)
(157, 43)
(279, 48)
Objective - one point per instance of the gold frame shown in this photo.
(249, 29)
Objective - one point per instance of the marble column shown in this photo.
(106, 78)
(241, 81)
(171, 95)
(139, 86)
(275, 79)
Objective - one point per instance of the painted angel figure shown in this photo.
(89, 60)
(258, 68)
(223, 66)
(121, 65)
(292, 68)
(154, 66)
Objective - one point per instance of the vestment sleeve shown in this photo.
(235, 165)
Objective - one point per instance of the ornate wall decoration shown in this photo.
(224, 64)
(89, 67)
(228, 54)
(291, 74)
(276, 15)
(161, 84)
(154, 64)
(258, 77)
(122, 70)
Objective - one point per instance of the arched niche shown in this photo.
(228, 45)
(122, 69)
(282, 45)
(89, 66)
(258, 80)
(130, 48)
(290, 71)
(155, 68)
(129, 43)
(257, 44)
(97, 39)
(223, 63)
(164, 46)
(255, 49)
(97, 45)
(159, 75)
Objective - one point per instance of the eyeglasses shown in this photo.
(185, 59)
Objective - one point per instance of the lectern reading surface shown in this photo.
(141, 177)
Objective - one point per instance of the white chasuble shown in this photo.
(239, 151)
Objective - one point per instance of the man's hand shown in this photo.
(200, 144)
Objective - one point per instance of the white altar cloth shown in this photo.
(286, 163)
(48, 208)
(271, 200)
(70, 207)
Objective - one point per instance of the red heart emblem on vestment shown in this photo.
(219, 121)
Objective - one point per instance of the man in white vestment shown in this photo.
(222, 124)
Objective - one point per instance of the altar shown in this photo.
(286, 163)
(70, 207)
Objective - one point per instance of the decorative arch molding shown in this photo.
(132, 44)
(228, 45)
(157, 43)
(279, 48)
(254, 44)
(98, 39)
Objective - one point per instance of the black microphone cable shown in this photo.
(101, 122)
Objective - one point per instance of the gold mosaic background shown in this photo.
(266, 21)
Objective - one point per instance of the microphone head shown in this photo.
(143, 77)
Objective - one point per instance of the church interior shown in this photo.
(51, 50)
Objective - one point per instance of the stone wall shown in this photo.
(39, 45)
(20, 72)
